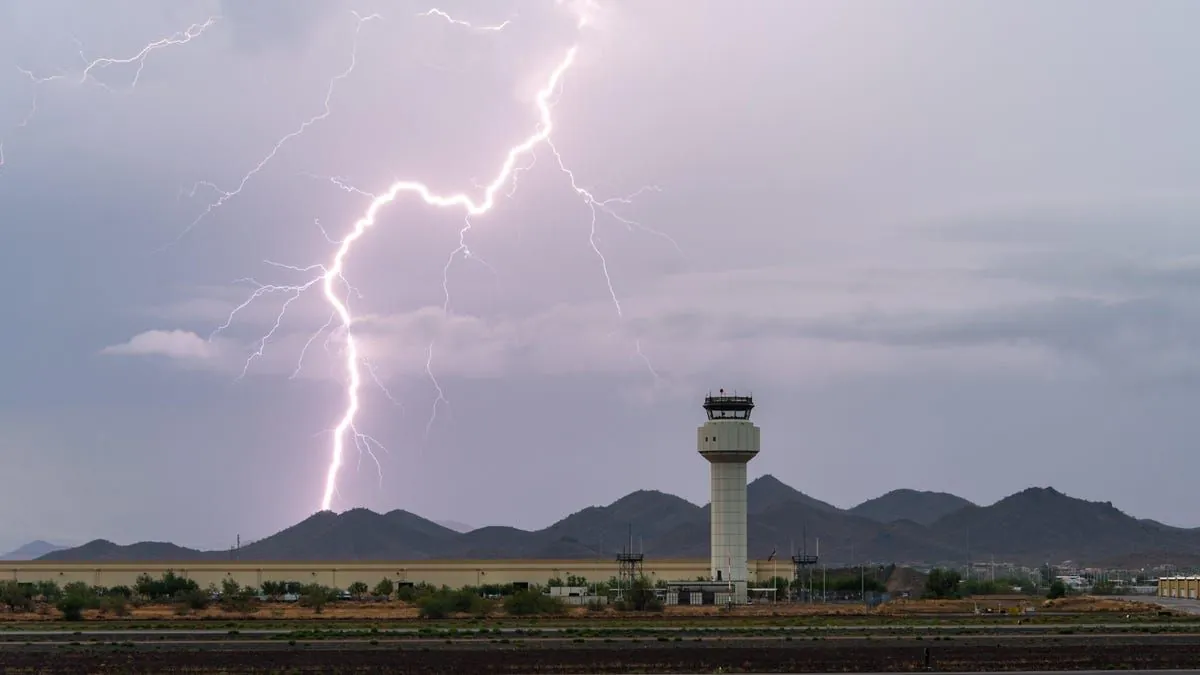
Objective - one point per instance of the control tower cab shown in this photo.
(728, 440)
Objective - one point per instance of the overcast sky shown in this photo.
(948, 246)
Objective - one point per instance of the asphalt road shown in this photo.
(268, 632)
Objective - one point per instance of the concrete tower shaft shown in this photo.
(728, 440)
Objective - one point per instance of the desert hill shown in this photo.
(921, 507)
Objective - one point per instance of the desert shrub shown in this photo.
(358, 589)
(442, 603)
(640, 598)
(412, 593)
(193, 599)
(114, 604)
(527, 602)
(235, 597)
(71, 606)
(436, 606)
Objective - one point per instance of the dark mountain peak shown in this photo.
(919, 506)
(356, 515)
(767, 492)
(768, 481)
(103, 550)
(1045, 497)
(646, 502)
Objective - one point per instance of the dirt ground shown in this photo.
(1015, 604)
(399, 611)
(859, 655)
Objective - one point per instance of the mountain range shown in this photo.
(1034, 526)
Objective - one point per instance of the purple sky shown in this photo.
(948, 246)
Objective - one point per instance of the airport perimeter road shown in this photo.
(647, 630)
(558, 654)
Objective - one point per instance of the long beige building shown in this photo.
(1179, 587)
(453, 573)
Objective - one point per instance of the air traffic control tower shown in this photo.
(728, 440)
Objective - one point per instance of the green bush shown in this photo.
(640, 598)
(385, 588)
(317, 596)
(437, 606)
(236, 598)
(528, 602)
(48, 591)
(17, 597)
(444, 602)
(943, 583)
(193, 599)
(72, 607)
(169, 585)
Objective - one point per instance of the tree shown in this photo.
(942, 583)
(358, 589)
(47, 590)
(170, 585)
(641, 597)
(317, 596)
(385, 588)
(235, 597)
(16, 597)
(1057, 589)
(274, 589)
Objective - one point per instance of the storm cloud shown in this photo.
(949, 246)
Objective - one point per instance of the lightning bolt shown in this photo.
(224, 196)
(457, 22)
(333, 272)
(332, 281)
(179, 38)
